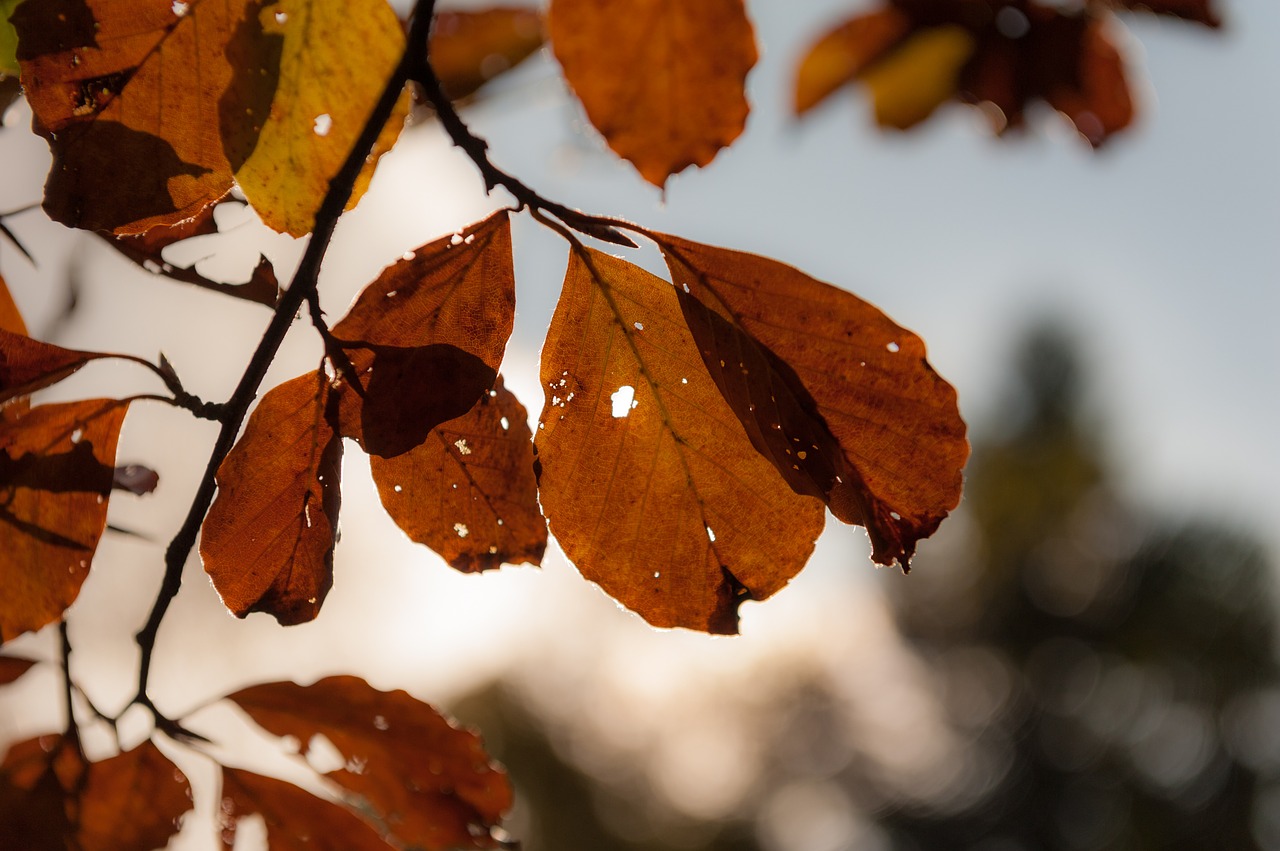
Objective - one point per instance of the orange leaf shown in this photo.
(470, 48)
(56, 470)
(128, 94)
(26, 365)
(295, 820)
(431, 784)
(10, 317)
(648, 481)
(468, 492)
(267, 541)
(426, 338)
(662, 81)
(835, 394)
(844, 52)
(11, 667)
(51, 799)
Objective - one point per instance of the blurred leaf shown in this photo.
(296, 820)
(50, 798)
(11, 667)
(662, 82)
(56, 469)
(267, 541)
(835, 394)
(431, 784)
(146, 250)
(660, 498)
(8, 40)
(318, 82)
(128, 92)
(844, 52)
(470, 48)
(468, 492)
(1200, 11)
(135, 478)
(426, 338)
(919, 76)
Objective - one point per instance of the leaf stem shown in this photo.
(300, 289)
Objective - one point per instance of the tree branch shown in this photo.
(300, 290)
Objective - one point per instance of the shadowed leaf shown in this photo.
(318, 84)
(663, 82)
(844, 52)
(426, 338)
(296, 820)
(267, 541)
(146, 250)
(835, 394)
(56, 468)
(126, 92)
(430, 783)
(135, 478)
(470, 48)
(26, 365)
(468, 492)
(51, 798)
(649, 482)
(11, 667)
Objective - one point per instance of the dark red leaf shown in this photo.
(295, 820)
(26, 365)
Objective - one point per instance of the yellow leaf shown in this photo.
(910, 83)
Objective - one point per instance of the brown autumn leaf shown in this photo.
(295, 820)
(309, 73)
(56, 470)
(26, 365)
(430, 783)
(50, 798)
(128, 94)
(146, 250)
(12, 667)
(835, 394)
(844, 52)
(10, 316)
(426, 338)
(267, 541)
(470, 48)
(647, 479)
(662, 81)
(1199, 11)
(468, 492)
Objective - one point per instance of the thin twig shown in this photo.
(300, 289)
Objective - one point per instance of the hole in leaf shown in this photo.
(323, 755)
(323, 124)
(623, 399)
(461, 529)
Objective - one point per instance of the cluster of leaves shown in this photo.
(695, 430)
(915, 55)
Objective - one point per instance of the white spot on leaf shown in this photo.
(323, 124)
(623, 400)
(461, 529)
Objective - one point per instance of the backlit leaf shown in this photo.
(26, 365)
(647, 479)
(329, 66)
(296, 820)
(1200, 11)
(430, 783)
(50, 798)
(11, 667)
(919, 76)
(468, 492)
(56, 469)
(10, 317)
(267, 541)
(1097, 101)
(147, 251)
(834, 393)
(662, 80)
(426, 338)
(844, 52)
(470, 48)
(128, 93)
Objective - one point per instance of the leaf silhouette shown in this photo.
(470, 48)
(431, 784)
(835, 394)
(135, 478)
(308, 101)
(12, 667)
(52, 799)
(126, 92)
(267, 541)
(146, 250)
(295, 820)
(26, 365)
(56, 470)
(468, 492)
(663, 82)
(426, 338)
(915, 54)
(659, 498)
